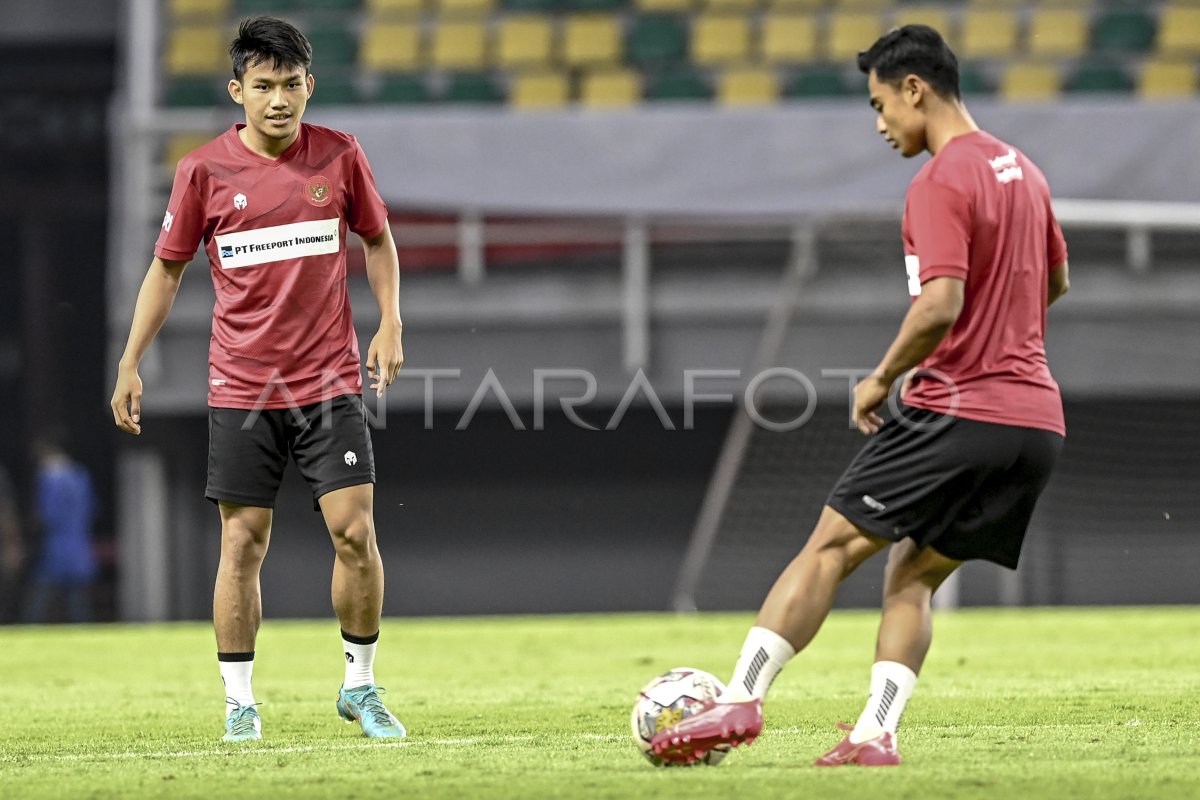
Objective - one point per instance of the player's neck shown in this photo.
(951, 120)
(265, 146)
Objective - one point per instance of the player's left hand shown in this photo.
(869, 396)
(385, 356)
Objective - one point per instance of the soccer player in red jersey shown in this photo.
(272, 200)
(957, 474)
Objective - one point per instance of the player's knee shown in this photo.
(353, 537)
(243, 545)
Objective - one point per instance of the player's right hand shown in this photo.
(127, 401)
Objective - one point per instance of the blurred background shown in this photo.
(647, 208)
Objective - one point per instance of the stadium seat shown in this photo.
(797, 5)
(459, 45)
(988, 34)
(382, 9)
(1025, 82)
(974, 81)
(591, 39)
(391, 47)
(543, 6)
(747, 86)
(850, 33)
(728, 6)
(523, 40)
(252, 7)
(333, 47)
(680, 82)
(199, 9)
(1099, 77)
(196, 91)
(476, 88)
(539, 90)
(1124, 31)
(1058, 32)
(1179, 31)
(820, 81)
(788, 38)
(403, 90)
(656, 39)
(465, 8)
(335, 88)
(340, 6)
(664, 6)
(935, 17)
(998, 3)
(720, 39)
(595, 5)
(197, 51)
(1162, 80)
(611, 89)
(179, 145)
(863, 4)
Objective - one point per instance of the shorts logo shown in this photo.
(239, 201)
(318, 190)
(350, 458)
(871, 502)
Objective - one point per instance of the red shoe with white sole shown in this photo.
(729, 724)
(878, 752)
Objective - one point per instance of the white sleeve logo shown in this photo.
(168, 218)
(912, 265)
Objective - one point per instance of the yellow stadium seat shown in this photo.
(1031, 82)
(459, 45)
(391, 47)
(197, 51)
(988, 34)
(611, 89)
(863, 4)
(539, 90)
(720, 39)
(178, 146)
(395, 8)
(933, 16)
(657, 6)
(788, 38)
(798, 5)
(591, 39)
(851, 33)
(465, 8)
(730, 5)
(523, 41)
(1179, 30)
(1058, 32)
(208, 9)
(998, 3)
(1161, 80)
(747, 86)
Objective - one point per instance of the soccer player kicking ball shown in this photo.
(957, 475)
(272, 199)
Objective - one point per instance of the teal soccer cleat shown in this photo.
(362, 703)
(243, 725)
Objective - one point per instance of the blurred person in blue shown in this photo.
(64, 507)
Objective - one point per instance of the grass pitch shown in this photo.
(1026, 704)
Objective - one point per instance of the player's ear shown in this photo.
(913, 89)
(235, 90)
(311, 81)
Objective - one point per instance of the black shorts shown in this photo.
(963, 487)
(248, 450)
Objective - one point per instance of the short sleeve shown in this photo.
(938, 219)
(183, 224)
(366, 212)
(1056, 244)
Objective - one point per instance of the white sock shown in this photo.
(237, 676)
(360, 661)
(763, 655)
(892, 685)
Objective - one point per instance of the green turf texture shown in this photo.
(1012, 704)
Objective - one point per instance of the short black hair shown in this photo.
(264, 39)
(913, 50)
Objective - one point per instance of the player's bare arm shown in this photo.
(154, 302)
(929, 319)
(1060, 283)
(386, 353)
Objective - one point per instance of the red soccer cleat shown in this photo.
(719, 724)
(878, 752)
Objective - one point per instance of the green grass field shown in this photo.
(1012, 704)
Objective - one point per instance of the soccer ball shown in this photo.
(668, 699)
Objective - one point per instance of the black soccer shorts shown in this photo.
(248, 450)
(965, 488)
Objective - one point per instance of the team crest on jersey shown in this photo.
(318, 190)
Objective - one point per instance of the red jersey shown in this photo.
(980, 210)
(275, 234)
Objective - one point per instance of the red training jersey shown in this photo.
(980, 210)
(275, 234)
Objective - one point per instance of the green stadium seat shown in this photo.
(252, 7)
(1123, 32)
(333, 47)
(818, 82)
(1099, 77)
(532, 5)
(974, 81)
(678, 83)
(595, 5)
(474, 88)
(336, 89)
(196, 92)
(404, 90)
(657, 39)
(341, 6)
